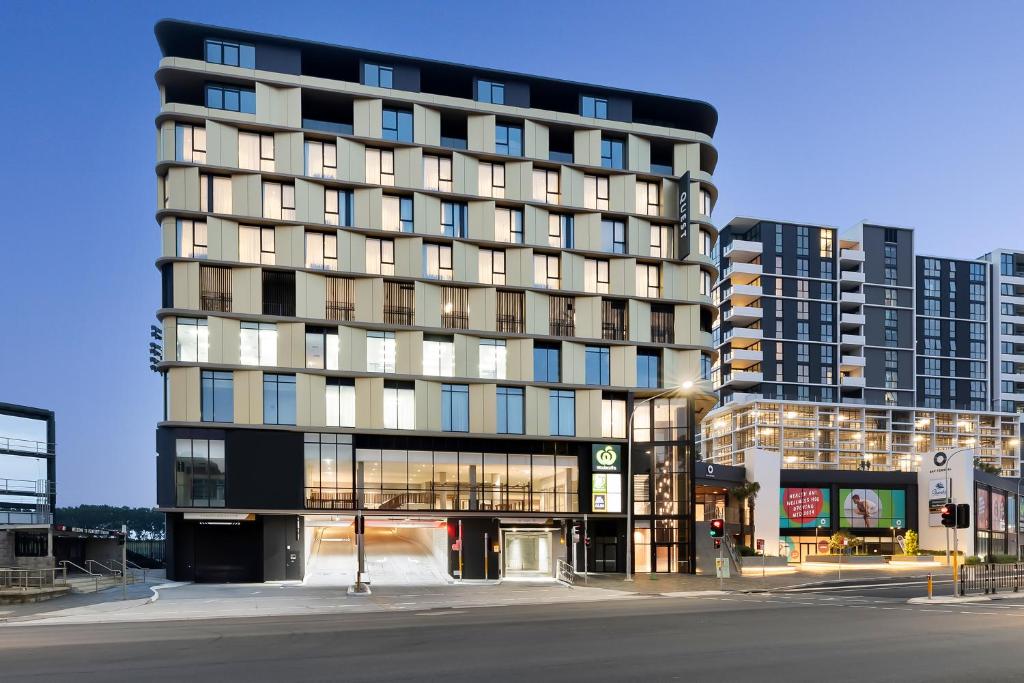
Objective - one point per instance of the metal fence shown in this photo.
(991, 578)
(32, 578)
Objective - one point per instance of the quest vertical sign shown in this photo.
(683, 231)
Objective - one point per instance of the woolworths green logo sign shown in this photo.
(606, 457)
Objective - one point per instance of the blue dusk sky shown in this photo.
(904, 113)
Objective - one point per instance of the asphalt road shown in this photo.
(767, 637)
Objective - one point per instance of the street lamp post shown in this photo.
(629, 471)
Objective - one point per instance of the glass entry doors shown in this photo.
(527, 553)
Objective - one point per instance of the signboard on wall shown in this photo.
(937, 497)
(981, 510)
(606, 492)
(606, 457)
(804, 508)
(873, 508)
(683, 229)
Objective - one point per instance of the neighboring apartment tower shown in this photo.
(28, 493)
(1007, 329)
(431, 295)
(850, 352)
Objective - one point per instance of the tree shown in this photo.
(746, 493)
(142, 523)
(835, 541)
(980, 464)
(910, 542)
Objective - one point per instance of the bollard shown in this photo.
(929, 586)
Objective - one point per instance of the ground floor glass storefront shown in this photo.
(341, 477)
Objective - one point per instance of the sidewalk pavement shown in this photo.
(170, 601)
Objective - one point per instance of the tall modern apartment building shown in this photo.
(851, 351)
(424, 298)
(1007, 268)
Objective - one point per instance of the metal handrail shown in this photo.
(733, 554)
(566, 574)
(113, 572)
(95, 577)
(19, 577)
(128, 566)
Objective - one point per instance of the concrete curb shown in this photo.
(156, 589)
(951, 599)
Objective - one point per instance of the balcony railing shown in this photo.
(215, 301)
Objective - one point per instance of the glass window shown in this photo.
(648, 369)
(648, 280)
(508, 225)
(561, 231)
(256, 245)
(613, 418)
(191, 239)
(380, 166)
(397, 213)
(278, 399)
(562, 413)
(380, 351)
(491, 180)
(595, 276)
(648, 198)
(510, 410)
(255, 151)
(199, 472)
(217, 396)
(508, 139)
(595, 192)
(612, 153)
(492, 266)
(258, 344)
(437, 173)
(437, 262)
(278, 201)
(396, 124)
(380, 256)
(546, 185)
(493, 358)
(490, 92)
(598, 364)
(378, 76)
(438, 356)
(613, 236)
(321, 159)
(454, 408)
(546, 363)
(661, 241)
(189, 143)
(192, 338)
(230, 98)
(399, 406)
(322, 349)
(340, 399)
(454, 219)
(214, 193)
(230, 53)
(338, 206)
(546, 271)
(594, 107)
(321, 251)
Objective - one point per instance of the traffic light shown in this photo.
(718, 543)
(120, 539)
(963, 516)
(717, 528)
(949, 515)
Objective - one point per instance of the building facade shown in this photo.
(28, 492)
(428, 294)
(1007, 313)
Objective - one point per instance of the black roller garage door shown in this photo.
(227, 553)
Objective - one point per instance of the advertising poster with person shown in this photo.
(998, 512)
(873, 508)
(804, 508)
(981, 509)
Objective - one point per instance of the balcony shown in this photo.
(849, 320)
(740, 315)
(850, 257)
(849, 300)
(852, 340)
(852, 382)
(742, 273)
(741, 295)
(742, 337)
(851, 279)
(742, 251)
(852, 362)
(742, 358)
(742, 378)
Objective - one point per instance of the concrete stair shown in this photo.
(83, 583)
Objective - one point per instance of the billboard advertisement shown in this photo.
(998, 511)
(804, 508)
(981, 509)
(873, 508)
